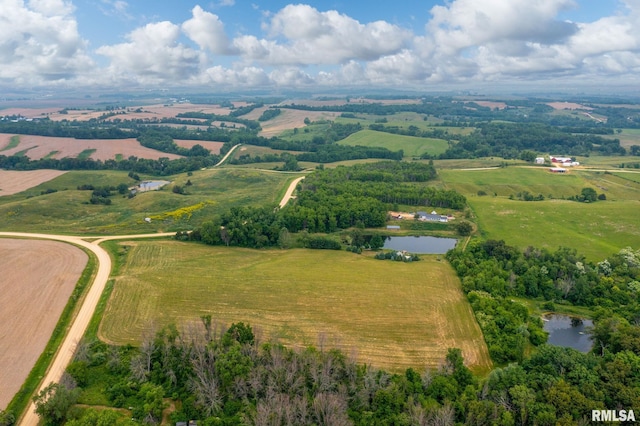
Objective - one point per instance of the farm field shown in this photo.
(392, 315)
(412, 146)
(13, 182)
(37, 147)
(287, 119)
(68, 210)
(32, 295)
(507, 181)
(627, 137)
(595, 230)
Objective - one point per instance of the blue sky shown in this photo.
(236, 44)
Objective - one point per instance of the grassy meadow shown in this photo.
(392, 315)
(595, 230)
(68, 210)
(627, 137)
(412, 146)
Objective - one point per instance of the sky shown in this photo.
(324, 45)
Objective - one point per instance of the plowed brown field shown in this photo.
(38, 147)
(12, 182)
(35, 284)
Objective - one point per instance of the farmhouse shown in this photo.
(539, 160)
(563, 161)
(432, 217)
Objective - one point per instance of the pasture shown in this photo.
(412, 146)
(595, 230)
(392, 315)
(68, 210)
(33, 295)
(511, 180)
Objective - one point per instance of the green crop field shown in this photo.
(390, 314)
(412, 146)
(595, 230)
(68, 210)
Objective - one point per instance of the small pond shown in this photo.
(420, 245)
(568, 331)
(152, 185)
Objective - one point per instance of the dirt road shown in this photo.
(289, 193)
(81, 321)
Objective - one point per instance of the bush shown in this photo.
(464, 228)
(322, 243)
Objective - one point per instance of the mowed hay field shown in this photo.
(392, 315)
(35, 284)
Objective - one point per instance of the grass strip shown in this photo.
(15, 141)
(85, 154)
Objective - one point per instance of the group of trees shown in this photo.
(588, 195)
(509, 140)
(492, 273)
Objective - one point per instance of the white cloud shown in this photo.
(464, 41)
(207, 31)
(301, 35)
(466, 23)
(153, 54)
(473, 41)
(39, 43)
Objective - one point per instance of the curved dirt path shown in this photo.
(79, 325)
(289, 193)
(221, 162)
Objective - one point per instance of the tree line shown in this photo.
(230, 376)
(508, 140)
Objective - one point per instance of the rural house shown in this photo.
(432, 217)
